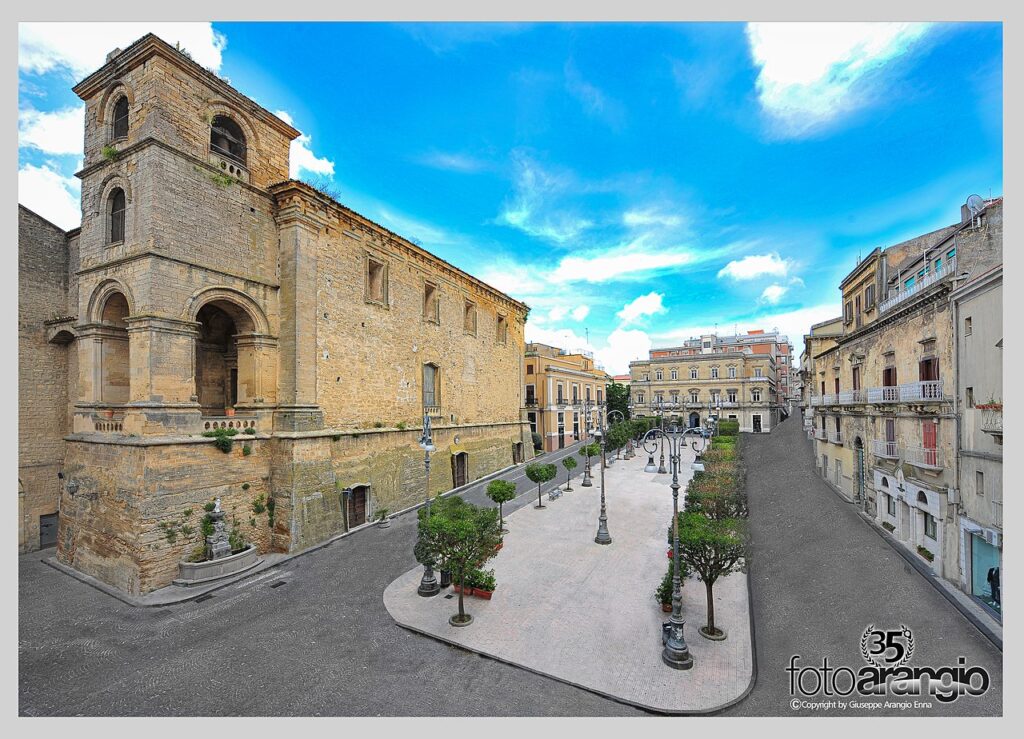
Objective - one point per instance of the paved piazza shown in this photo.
(585, 614)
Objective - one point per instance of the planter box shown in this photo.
(200, 573)
(465, 591)
(485, 594)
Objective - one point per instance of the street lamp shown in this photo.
(603, 537)
(622, 418)
(428, 583)
(675, 653)
(587, 480)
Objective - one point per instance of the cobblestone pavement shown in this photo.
(323, 644)
(820, 575)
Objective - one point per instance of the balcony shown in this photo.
(924, 457)
(885, 449)
(530, 401)
(923, 284)
(926, 391)
(851, 397)
(730, 404)
(434, 411)
(694, 404)
(228, 422)
(835, 437)
(992, 421)
(889, 394)
(815, 400)
(830, 399)
(820, 434)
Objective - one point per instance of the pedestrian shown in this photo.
(993, 583)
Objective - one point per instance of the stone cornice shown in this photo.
(293, 194)
(158, 255)
(149, 46)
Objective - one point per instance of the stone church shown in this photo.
(206, 290)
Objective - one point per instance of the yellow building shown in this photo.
(882, 390)
(561, 388)
(710, 378)
(206, 291)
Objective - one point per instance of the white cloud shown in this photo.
(645, 305)
(773, 293)
(56, 132)
(595, 102)
(50, 194)
(82, 48)
(301, 157)
(794, 324)
(533, 207)
(558, 313)
(755, 265)
(651, 217)
(814, 73)
(452, 162)
(580, 312)
(623, 347)
(607, 267)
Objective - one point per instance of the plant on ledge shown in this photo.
(221, 438)
(888, 526)
(926, 553)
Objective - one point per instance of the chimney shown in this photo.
(965, 213)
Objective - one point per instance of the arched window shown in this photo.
(227, 139)
(885, 482)
(115, 211)
(121, 118)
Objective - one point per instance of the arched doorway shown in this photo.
(114, 351)
(225, 374)
(694, 420)
(356, 508)
(460, 469)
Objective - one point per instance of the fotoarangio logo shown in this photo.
(888, 653)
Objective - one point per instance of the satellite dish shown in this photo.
(975, 204)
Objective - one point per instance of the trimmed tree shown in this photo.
(618, 398)
(462, 538)
(501, 492)
(712, 548)
(540, 474)
(570, 464)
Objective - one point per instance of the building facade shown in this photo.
(563, 393)
(733, 377)
(206, 290)
(886, 394)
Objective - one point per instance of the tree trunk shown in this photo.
(501, 516)
(462, 589)
(568, 477)
(539, 501)
(711, 608)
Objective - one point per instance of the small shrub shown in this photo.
(485, 580)
(187, 530)
(246, 450)
(221, 438)
(252, 522)
(245, 486)
(381, 514)
(728, 428)
(251, 431)
(378, 424)
(664, 592)
(270, 512)
(110, 153)
(888, 526)
(400, 425)
(171, 534)
(208, 507)
(257, 505)
(198, 554)
(538, 441)
(222, 180)
(236, 539)
(926, 553)
(336, 437)
(187, 512)
(206, 527)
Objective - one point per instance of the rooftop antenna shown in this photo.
(975, 204)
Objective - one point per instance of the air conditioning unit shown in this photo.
(952, 496)
(992, 538)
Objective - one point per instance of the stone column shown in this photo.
(299, 231)
(162, 376)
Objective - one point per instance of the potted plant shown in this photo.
(484, 584)
(229, 412)
(382, 518)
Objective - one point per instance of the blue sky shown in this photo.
(635, 184)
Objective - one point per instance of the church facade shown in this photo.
(208, 293)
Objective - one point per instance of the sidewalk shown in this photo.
(585, 614)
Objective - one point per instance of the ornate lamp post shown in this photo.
(603, 537)
(675, 653)
(661, 425)
(428, 583)
(587, 480)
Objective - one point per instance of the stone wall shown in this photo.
(111, 528)
(42, 371)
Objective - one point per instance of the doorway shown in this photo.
(48, 530)
(858, 471)
(694, 420)
(518, 457)
(757, 423)
(357, 506)
(460, 469)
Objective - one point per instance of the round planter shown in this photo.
(384, 524)
(718, 637)
(453, 621)
(666, 607)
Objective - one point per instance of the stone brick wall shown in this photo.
(42, 371)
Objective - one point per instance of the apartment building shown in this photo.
(731, 377)
(888, 395)
(563, 392)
